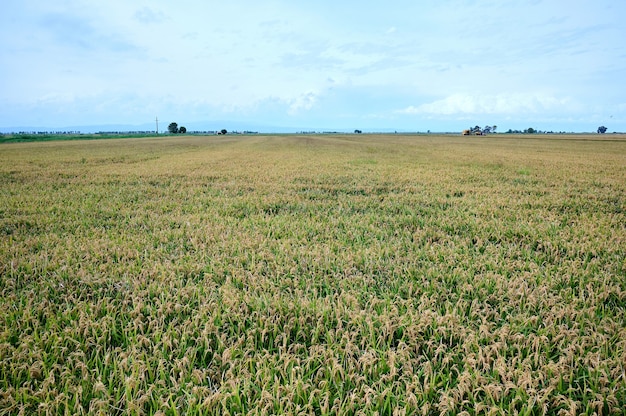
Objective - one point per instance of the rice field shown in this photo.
(329, 274)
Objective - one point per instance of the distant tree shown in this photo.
(487, 130)
(357, 132)
(173, 128)
(493, 128)
(182, 130)
(530, 130)
(223, 131)
(602, 129)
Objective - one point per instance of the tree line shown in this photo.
(174, 129)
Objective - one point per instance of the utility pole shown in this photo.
(157, 125)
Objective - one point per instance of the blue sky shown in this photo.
(402, 65)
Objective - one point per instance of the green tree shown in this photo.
(602, 129)
(173, 128)
(182, 130)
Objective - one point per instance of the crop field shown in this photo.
(324, 274)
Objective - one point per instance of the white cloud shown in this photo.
(149, 16)
(305, 101)
(499, 104)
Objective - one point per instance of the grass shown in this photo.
(313, 275)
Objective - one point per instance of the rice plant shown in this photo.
(330, 274)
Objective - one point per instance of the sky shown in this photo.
(405, 65)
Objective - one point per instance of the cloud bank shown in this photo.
(498, 104)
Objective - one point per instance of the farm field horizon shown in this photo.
(314, 274)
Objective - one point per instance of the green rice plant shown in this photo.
(329, 274)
